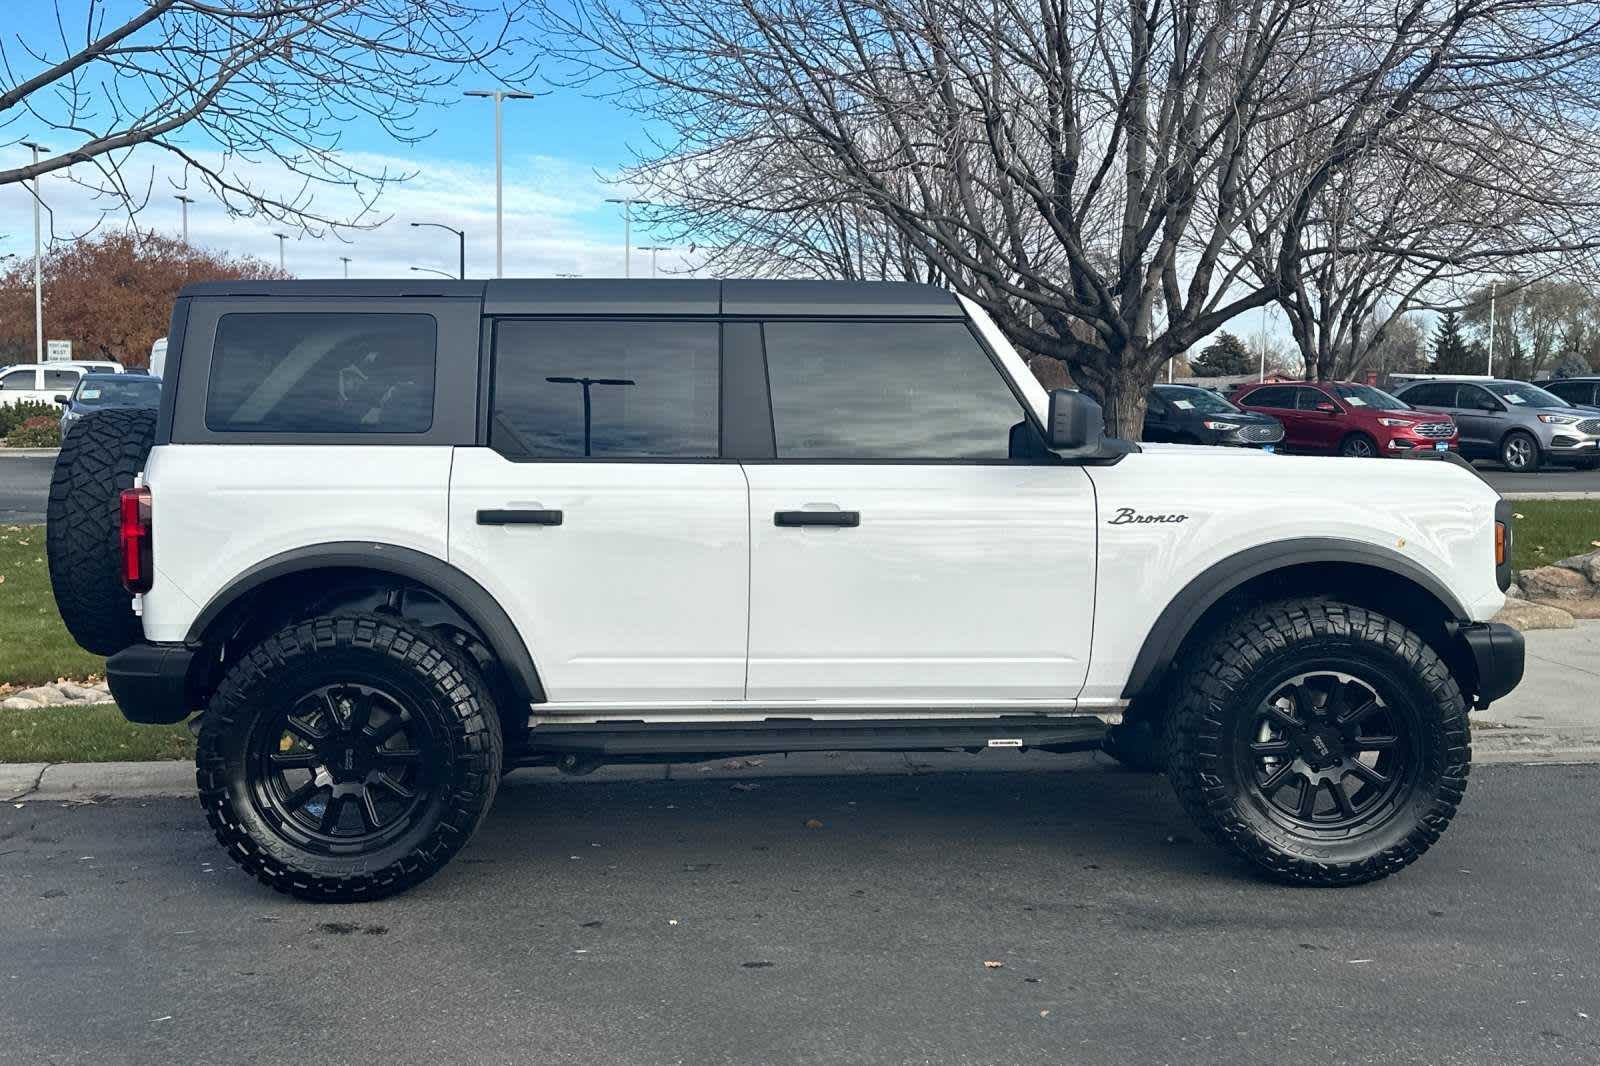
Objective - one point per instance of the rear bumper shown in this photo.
(150, 682)
(1496, 652)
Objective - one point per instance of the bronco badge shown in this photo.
(1126, 516)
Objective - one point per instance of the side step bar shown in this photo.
(670, 741)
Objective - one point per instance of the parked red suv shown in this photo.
(1346, 418)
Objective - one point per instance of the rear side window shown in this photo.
(1272, 396)
(322, 373)
(1307, 399)
(61, 379)
(886, 390)
(17, 380)
(605, 390)
(1572, 391)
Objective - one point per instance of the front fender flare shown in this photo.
(1186, 609)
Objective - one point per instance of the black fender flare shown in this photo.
(1186, 609)
(449, 583)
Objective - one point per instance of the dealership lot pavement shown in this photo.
(688, 921)
(24, 488)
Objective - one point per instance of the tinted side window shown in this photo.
(1572, 391)
(614, 390)
(61, 379)
(1430, 395)
(16, 380)
(1280, 396)
(886, 390)
(1307, 399)
(322, 373)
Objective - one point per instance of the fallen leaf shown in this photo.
(672, 921)
(812, 823)
(1044, 1014)
(991, 964)
(2, 579)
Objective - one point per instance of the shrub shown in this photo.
(14, 415)
(41, 431)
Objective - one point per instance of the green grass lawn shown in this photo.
(1550, 530)
(34, 646)
(87, 734)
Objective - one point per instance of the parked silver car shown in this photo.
(1521, 425)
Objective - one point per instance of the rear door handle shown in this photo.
(519, 518)
(849, 519)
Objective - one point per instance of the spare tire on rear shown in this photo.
(99, 458)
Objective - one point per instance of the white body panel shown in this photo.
(962, 583)
(641, 594)
(1433, 513)
(221, 509)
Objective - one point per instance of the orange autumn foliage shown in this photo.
(111, 295)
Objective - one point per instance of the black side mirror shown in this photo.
(62, 399)
(1076, 422)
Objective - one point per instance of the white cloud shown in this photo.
(556, 218)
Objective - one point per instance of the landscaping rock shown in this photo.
(1554, 583)
(1588, 565)
(1582, 607)
(1523, 615)
(61, 694)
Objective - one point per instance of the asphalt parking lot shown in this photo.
(690, 921)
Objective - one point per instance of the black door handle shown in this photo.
(849, 519)
(519, 518)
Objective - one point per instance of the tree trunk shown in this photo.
(1120, 384)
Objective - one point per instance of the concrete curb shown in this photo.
(29, 453)
(91, 782)
(1551, 495)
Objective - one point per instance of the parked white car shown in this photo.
(390, 538)
(43, 382)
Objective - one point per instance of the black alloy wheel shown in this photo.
(344, 768)
(1325, 754)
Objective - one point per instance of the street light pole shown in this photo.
(430, 270)
(281, 238)
(461, 239)
(588, 417)
(653, 249)
(185, 201)
(38, 263)
(345, 259)
(499, 196)
(627, 203)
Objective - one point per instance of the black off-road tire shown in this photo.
(1233, 675)
(99, 458)
(446, 701)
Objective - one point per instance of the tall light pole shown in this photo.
(281, 238)
(430, 270)
(38, 262)
(499, 195)
(461, 239)
(627, 203)
(345, 259)
(185, 201)
(653, 249)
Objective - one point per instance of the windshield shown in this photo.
(135, 392)
(1201, 401)
(1367, 396)
(1518, 394)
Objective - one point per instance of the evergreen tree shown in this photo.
(1225, 356)
(1451, 354)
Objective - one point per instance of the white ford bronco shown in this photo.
(390, 539)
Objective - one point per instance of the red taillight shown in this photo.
(138, 566)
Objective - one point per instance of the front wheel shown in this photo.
(348, 757)
(1519, 453)
(1325, 743)
(1359, 446)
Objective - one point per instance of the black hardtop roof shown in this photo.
(622, 296)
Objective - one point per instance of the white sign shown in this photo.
(57, 351)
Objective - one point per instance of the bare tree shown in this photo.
(225, 85)
(1077, 167)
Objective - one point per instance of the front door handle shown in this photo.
(519, 518)
(848, 519)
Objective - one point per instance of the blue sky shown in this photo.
(559, 149)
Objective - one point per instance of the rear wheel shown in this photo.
(98, 459)
(1359, 446)
(348, 757)
(1519, 452)
(1323, 742)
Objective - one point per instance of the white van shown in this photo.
(43, 382)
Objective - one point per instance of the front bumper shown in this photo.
(151, 682)
(1495, 651)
